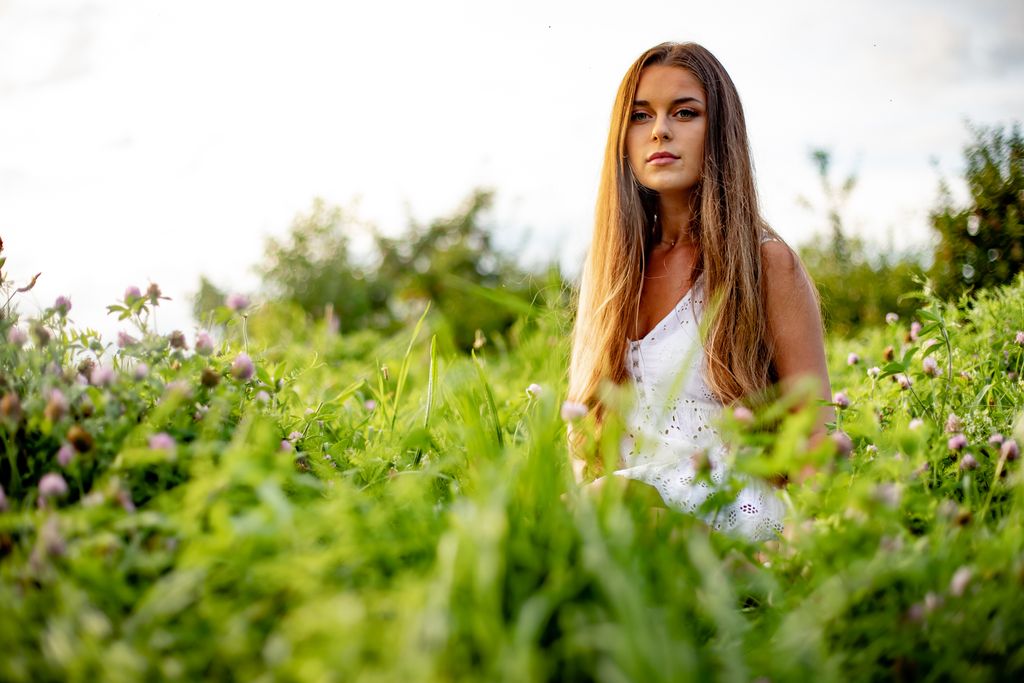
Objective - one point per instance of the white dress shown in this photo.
(672, 421)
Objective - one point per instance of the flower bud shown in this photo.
(888, 354)
(161, 441)
(236, 302)
(177, 339)
(843, 442)
(132, 294)
(210, 378)
(102, 376)
(904, 381)
(958, 584)
(915, 330)
(141, 371)
(56, 406)
(65, 454)
(957, 442)
(892, 318)
(743, 414)
(953, 423)
(534, 391)
(10, 407)
(62, 305)
(841, 400)
(968, 462)
(996, 439)
(153, 293)
(916, 423)
(242, 367)
(41, 334)
(1019, 339)
(931, 366)
(852, 359)
(874, 372)
(124, 340)
(52, 485)
(1009, 450)
(80, 439)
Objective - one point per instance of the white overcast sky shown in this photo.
(154, 141)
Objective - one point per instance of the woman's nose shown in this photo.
(661, 129)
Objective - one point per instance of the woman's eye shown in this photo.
(686, 113)
(638, 116)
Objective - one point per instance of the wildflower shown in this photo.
(888, 354)
(852, 359)
(953, 423)
(262, 397)
(1010, 450)
(915, 330)
(1019, 338)
(957, 442)
(201, 410)
(916, 423)
(904, 381)
(80, 439)
(931, 602)
(141, 371)
(10, 407)
(125, 340)
(959, 582)
(102, 376)
(928, 343)
(573, 411)
(534, 391)
(179, 387)
(132, 294)
(56, 406)
(996, 439)
(236, 301)
(931, 367)
(41, 334)
(210, 378)
(888, 494)
(891, 318)
(17, 337)
(843, 442)
(872, 448)
(177, 338)
(966, 374)
(743, 414)
(841, 400)
(62, 305)
(65, 454)
(874, 372)
(124, 499)
(153, 293)
(286, 445)
(968, 462)
(370, 405)
(3, 500)
(52, 485)
(242, 367)
(161, 441)
(204, 344)
(294, 436)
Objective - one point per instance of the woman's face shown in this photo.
(665, 135)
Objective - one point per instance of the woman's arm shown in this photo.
(794, 323)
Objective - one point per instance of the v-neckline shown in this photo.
(672, 312)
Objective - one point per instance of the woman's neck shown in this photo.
(675, 217)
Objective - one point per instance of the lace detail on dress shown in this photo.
(670, 433)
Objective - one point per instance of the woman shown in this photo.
(678, 234)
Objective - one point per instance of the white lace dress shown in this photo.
(671, 423)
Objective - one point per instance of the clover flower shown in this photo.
(1009, 450)
(573, 411)
(204, 344)
(953, 423)
(294, 436)
(65, 454)
(996, 439)
(236, 301)
(141, 371)
(957, 442)
(841, 400)
(242, 367)
(743, 414)
(132, 294)
(62, 305)
(3, 500)
(102, 376)
(968, 462)
(370, 405)
(153, 293)
(843, 442)
(1019, 339)
(52, 485)
(262, 397)
(162, 441)
(915, 330)
(56, 406)
(874, 372)
(534, 390)
(852, 359)
(931, 366)
(125, 340)
(17, 337)
(916, 423)
(210, 378)
(286, 445)
(80, 439)
(904, 381)
(892, 318)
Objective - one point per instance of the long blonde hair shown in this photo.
(728, 228)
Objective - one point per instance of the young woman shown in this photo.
(678, 238)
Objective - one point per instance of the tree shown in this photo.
(982, 244)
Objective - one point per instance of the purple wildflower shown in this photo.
(904, 381)
(852, 359)
(62, 305)
(1009, 450)
(843, 442)
(294, 436)
(996, 439)
(3, 500)
(153, 293)
(957, 442)
(370, 405)
(573, 411)
(931, 367)
(286, 445)
(65, 454)
(874, 372)
(102, 376)
(125, 340)
(915, 330)
(1019, 338)
(52, 485)
(204, 344)
(132, 294)
(916, 423)
(743, 414)
(892, 318)
(841, 400)
(242, 367)
(262, 397)
(161, 441)
(17, 337)
(56, 406)
(968, 462)
(534, 390)
(236, 301)
(959, 582)
(177, 340)
(141, 371)
(953, 423)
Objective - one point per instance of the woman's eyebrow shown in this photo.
(678, 100)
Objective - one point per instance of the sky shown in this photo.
(157, 141)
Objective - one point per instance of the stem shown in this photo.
(949, 360)
(245, 333)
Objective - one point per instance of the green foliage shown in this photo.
(375, 507)
(982, 245)
(858, 283)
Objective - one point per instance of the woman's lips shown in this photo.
(662, 158)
